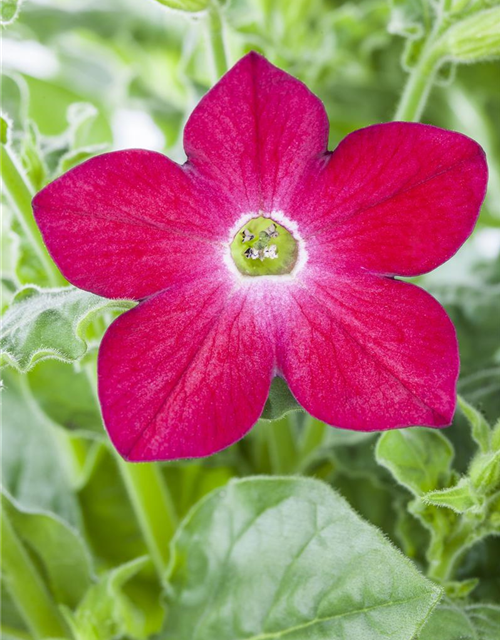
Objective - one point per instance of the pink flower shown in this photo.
(187, 372)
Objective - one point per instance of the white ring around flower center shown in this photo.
(280, 218)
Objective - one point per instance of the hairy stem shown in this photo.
(27, 588)
(418, 85)
(444, 559)
(215, 29)
(19, 193)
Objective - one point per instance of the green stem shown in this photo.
(153, 507)
(419, 84)
(445, 555)
(20, 193)
(282, 448)
(26, 587)
(313, 436)
(215, 28)
(443, 568)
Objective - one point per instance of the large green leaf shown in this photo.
(50, 323)
(418, 458)
(267, 558)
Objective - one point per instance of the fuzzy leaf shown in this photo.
(267, 558)
(459, 498)
(50, 323)
(418, 458)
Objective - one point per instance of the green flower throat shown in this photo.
(262, 247)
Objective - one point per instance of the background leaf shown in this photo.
(106, 611)
(191, 6)
(450, 621)
(9, 10)
(58, 548)
(32, 470)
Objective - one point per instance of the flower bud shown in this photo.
(475, 38)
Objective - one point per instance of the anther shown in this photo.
(247, 236)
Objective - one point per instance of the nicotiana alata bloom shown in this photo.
(265, 254)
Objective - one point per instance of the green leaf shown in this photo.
(280, 401)
(481, 430)
(495, 437)
(5, 126)
(58, 548)
(460, 498)
(458, 589)
(50, 323)
(474, 38)
(106, 611)
(77, 156)
(33, 471)
(190, 6)
(65, 395)
(72, 147)
(34, 607)
(450, 621)
(418, 458)
(268, 558)
(9, 11)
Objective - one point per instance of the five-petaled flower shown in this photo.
(265, 254)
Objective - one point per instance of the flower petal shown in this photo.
(184, 374)
(254, 132)
(127, 224)
(397, 198)
(369, 353)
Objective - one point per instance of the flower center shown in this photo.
(263, 247)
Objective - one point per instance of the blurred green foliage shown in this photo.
(81, 77)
